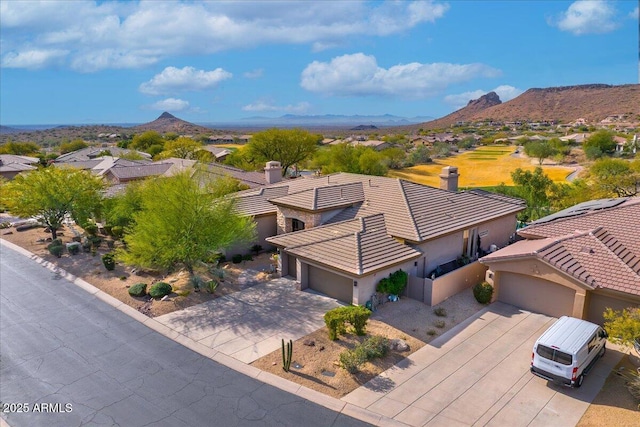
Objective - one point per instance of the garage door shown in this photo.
(293, 272)
(331, 284)
(599, 303)
(533, 294)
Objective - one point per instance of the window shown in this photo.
(297, 225)
(555, 355)
(593, 343)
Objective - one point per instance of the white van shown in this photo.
(566, 352)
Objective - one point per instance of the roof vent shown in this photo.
(586, 250)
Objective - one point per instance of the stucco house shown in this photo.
(12, 165)
(341, 233)
(576, 262)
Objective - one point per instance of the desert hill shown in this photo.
(564, 104)
(169, 123)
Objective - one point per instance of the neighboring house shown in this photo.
(623, 145)
(219, 153)
(124, 174)
(91, 153)
(578, 138)
(576, 262)
(341, 233)
(375, 144)
(11, 165)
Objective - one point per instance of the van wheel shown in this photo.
(603, 351)
(579, 381)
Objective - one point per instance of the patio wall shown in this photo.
(437, 290)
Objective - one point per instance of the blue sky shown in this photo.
(75, 62)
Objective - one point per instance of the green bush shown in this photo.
(138, 290)
(117, 231)
(96, 241)
(160, 289)
(439, 324)
(56, 250)
(236, 259)
(109, 262)
(483, 292)
(247, 257)
(351, 360)
(91, 229)
(74, 249)
(197, 282)
(356, 316)
(56, 242)
(375, 346)
(86, 246)
(440, 312)
(211, 286)
(394, 284)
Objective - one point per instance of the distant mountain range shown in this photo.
(593, 102)
(332, 120)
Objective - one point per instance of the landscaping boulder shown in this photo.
(399, 345)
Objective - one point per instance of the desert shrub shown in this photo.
(5, 224)
(74, 249)
(351, 360)
(96, 241)
(211, 286)
(256, 249)
(86, 246)
(247, 257)
(483, 292)
(56, 250)
(91, 229)
(440, 312)
(394, 284)
(375, 346)
(111, 244)
(439, 324)
(197, 282)
(117, 231)
(236, 259)
(138, 290)
(160, 289)
(56, 242)
(109, 262)
(336, 319)
(432, 332)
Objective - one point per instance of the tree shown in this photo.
(52, 193)
(145, 140)
(287, 146)
(598, 144)
(347, 158)
(75, 145)
(118, 210)
(19, 148)
(421, 155)
(182, 148)
(182, 223)
(540, 150)
(623, 326)
(533, 187)
(616, 177)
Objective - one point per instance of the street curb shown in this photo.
(303, 392)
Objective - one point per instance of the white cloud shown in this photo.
(33, 59)
(268, 106)
(635, 13)
(99, 35)
(254, 74)
(587, 17)
(176, 80)
(505, 92)
(359, 75)
(170, 104)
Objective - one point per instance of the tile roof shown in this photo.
(139, 171)
(93, 152)
(412, 211)
(12, 158)
(326, 197)
(599, 248)
(258, 203)
(357, 247)
(16, 167)
(252, 179)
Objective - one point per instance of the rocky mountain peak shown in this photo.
(166, 115)
(485, 101)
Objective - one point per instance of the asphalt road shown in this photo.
(66, 352)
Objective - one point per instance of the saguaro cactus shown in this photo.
(287, 353)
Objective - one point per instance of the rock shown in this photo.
(321, 348)
(399, 345)
(336, 363)
(310, 343)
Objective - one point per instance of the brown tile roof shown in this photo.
(94, 152)
(139, 171)
(412, 211)
(252, 179)
(326, 197)
(258, 203)
(599, 248)
(357, 247)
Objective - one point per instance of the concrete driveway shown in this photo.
(249, 324)
(478, 374)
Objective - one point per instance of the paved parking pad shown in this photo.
(249, 324)
(478, 374)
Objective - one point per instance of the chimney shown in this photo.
(273, 172)
(449, 178)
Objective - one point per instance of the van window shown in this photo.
(555, 355)
(593, 343)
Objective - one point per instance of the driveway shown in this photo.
(62, 345)
(478, 374)
(249, 324)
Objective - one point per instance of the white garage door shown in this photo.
(533, 294)
(331, 284)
